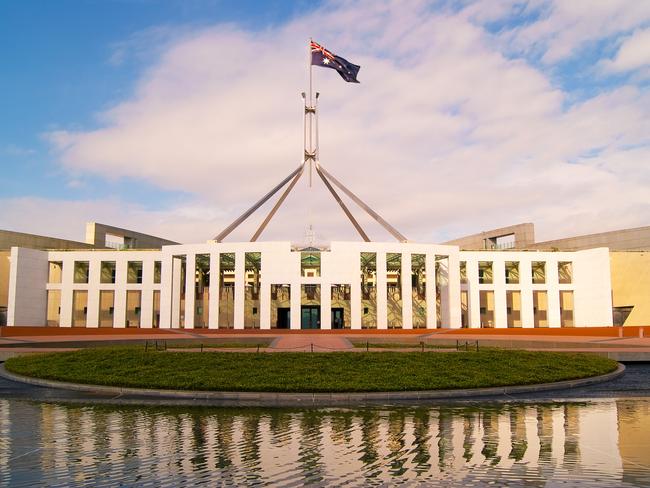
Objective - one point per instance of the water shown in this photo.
(601, 442)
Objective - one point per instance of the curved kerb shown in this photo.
(229, 398)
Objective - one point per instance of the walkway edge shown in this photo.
(226, 398)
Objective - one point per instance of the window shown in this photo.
(157, 271)
(565, 272)
(463, 271)
(81, 270)
(134, 272)
(512, 272)
(539, 272)
(310, 263)
(485, 272)
(107, 272)
(55, 272)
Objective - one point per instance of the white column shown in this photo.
(190, 294)
(500, 303)
(355, 299)
(453, 291)
(430, 290)
(92, 318)
(407, 292)
(382, 292)
(526, 282)
(215, 273)
(176, 292)
(553, 294)
(146, 303)
(325, 306)
(119, 315)
(240, 270)
(295, 312)
(166, 288)
(67, 284)
(473, 297)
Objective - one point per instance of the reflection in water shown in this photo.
(601, 443)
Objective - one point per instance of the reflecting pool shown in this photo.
(595, 443)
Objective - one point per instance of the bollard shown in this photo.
(201, 347)
(367, 346)
(422, 344)
(312, 347)
(258, 348)
(640, 332)
(146, 346)
(457, 344)
(165, 345)
(476, 346)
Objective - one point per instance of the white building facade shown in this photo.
(348, 285)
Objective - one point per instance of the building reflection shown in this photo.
(607, 441)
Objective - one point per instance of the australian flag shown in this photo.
(322, 57)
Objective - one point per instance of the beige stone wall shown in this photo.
(4, 278)
(96, 236)
(9, 239)
(637, 239)
(631, 284)
(524, 235)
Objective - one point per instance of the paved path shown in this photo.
(315, 342)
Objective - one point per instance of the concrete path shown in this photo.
(315, 343)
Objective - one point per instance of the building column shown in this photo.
(190, 293)
(453, 317)
(500, 302)
(146, 298)
(473, 295)
(265, 304)
(325, 306)
(119, 312)
(526, 283)
(166, 287)
(295, 312)
(215, 274)
(92, 317)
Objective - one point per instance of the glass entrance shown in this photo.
(310, 317)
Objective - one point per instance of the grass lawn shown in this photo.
(307, 372)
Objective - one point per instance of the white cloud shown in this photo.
(443, 136)
(634, 53)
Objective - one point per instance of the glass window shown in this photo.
(340, 304)
(252, 279)
(202, 291)
(512, 272)
(485, 272)
(133, 304)
(419, 291)
(539, 272)
(310, 263)
(463, 271)
(134, 272)
(281, 306)
(394, 289)
(81, 269)
(106, 308)
(227, 290)
(55, 272)
(107, 272)
(157, 271)
(565, 272)
(368, 264)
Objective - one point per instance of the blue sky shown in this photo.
(154, 114)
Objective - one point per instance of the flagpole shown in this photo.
(311, 104)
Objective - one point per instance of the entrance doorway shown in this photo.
(284, 317)
(310, 317)
(338, 320)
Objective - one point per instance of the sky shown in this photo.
(173, 117)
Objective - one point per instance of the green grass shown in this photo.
(308, 372)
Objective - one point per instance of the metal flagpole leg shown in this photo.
(261, 202)
(393, 231)
(278, 204)
(340, 202)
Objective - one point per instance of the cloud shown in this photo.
(444, 134)
(633, 54)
